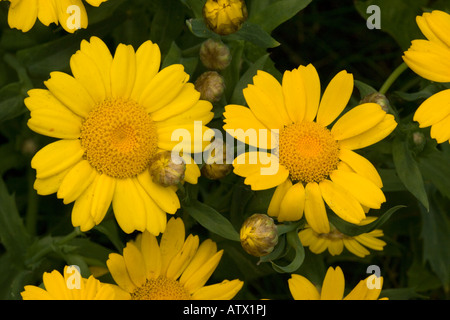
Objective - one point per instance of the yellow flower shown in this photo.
(309, 165)
(335, 241)
(112, 118)
(431, 60)
(175, 269)
(71, 286)
(225, 16)
(333, 287)
(71, 14)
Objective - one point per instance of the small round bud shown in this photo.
(215, 55)
(225, 16)
(167, 171)
(419, 140)
(379, 99)
(211, 86)
(259, 235)
(216, 166)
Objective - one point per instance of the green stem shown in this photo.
(391, 79)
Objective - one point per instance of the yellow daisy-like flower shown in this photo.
(70, 286)
(113, 116)
(335, 241)
(333, 287)
(70, 14)
(314, 165)
(431, 60)
(175, 269)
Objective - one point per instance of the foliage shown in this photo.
(36, 234)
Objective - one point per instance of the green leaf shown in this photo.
(398, 18)
(238, 96)
(274, 14)
(212, 220)
(11, 101)
(353, 230)
(293, 242)
(408, 170)
(364, 89)
(436, 169)
(436, 237)
(13, 234)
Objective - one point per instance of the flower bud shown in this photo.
(225, 16)
(215, 55)
(259, 235)
(167, 171)
(379, 99)
(419, 140)
(216, 166)
(211, 86)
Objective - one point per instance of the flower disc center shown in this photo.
(161, 288)
(119, 138)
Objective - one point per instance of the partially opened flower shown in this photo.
(70, 14)
(335, 241)
(309, 164)
(176, 268)
(431, 60)
(70, 286)
(112, 118)
(333, 287)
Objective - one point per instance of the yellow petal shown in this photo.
(438, 23)
(128, 206)
(151, 254)
(261, 106)
(87, 73)
(361, 188)
(171, 242)
(47, 12)
(311, 82)
(148, 61)
(440, 131)
(315, 212)
(55, 123)
(354, 247)
(51, 184)
(123, 71)
(333, 285)
(429, 60)
(99, 53)
(70, 92)
(118, 270)
(226, 290)
(56, 157)
(81, 212)
(55, 285)
(343, 204)
(203, 273)
(165, 197)
(294, 95)
(302, 289)
(134, 262)
(102, 198)
(335, 98)
(67, 18)
(361, 166)
(241, 123)
(76, 181)
(357, 120)
(433, 109)
(205, 252)
(274, 206)
(273, 91)
(22, 15)
(371, 136)
(182, 259)
(293, 203)
(164, 87)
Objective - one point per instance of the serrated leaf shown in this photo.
(408, 170)
(212, 220)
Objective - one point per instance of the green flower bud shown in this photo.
(259, 235)
(165, 171)
(215, 55)
(211, 86)
(216, 167)
(379, 99)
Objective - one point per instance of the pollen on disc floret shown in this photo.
(119, 138)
